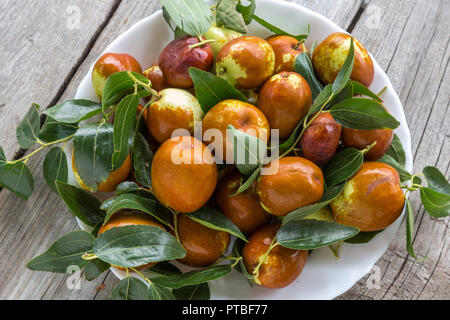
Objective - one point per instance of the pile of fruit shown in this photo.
(227, 137)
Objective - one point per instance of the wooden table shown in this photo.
(48, 46)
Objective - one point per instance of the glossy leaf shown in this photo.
(28, 130)
(360, 89)
(228, 17)
(127, 187)
(396, 151)
(363, 114)
(329, 195)
(363, 237)
(131, 201)
(53, 130)
(346, 70)
(197, 292)
(248, 183)
(276, 30)
(343, 166)
(217, 221)
(344, 94)
(142, 161)
(321, 99)
(313, 234)
(303, 66)
(124, 128)
(164, 268)
(74, 111)
(436, 180)
(435, 203)
(211, 89)
(247, 11)
(95, 268)
(17, 178)
(193, 277)
(240, 267)
(159, 292)
(3, 159)
(134, 246)
(93, 150)
(55, 167)
(130, 288)
(409, 229)
(249, 151)
(404, 175)
(64, 253)
(192, 16)
(81, 203)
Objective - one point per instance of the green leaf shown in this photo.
(74, 111)
(313, 234)
(404, 175)
(363, 237)
(166, 17)
(193, 278)
(436, 180)
(81, 203)
(247, 11)
(127, 187)
(134, 246)
(228, 17)
(119, 85)
(124, 127)
(158, 292)
(55, 167)
(329, 195)
(276, 30)
(131, 201)
(304, 67)
(95, 268)
(217, 221)
(211, 89)
(435, 203)
(344, 94)
(3, 159)
(53, 130)
(396, 151)
(28, 130)
(130, 288)
(248, 183)
(240, 267)
(142, 161)
(321, 99)
(363, 114)
(197, 292)
(192, 16)
(64, 253)
(346, 71)
(93, 150)
(360, 89)
(164, 268)
(17, 178)
(410, 229)
(343, 166)
(249, 151)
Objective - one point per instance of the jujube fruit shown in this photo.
(361, 139)
(156, 77)
(221, 37)
(286, 49)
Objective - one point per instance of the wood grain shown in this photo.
(398, 43)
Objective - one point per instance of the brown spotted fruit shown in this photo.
(298, 183)
(321, 140)
(286, 49)
(181, 54)
(372, 199)
(244, 209)
(280, 267)
(246, 62)
(111, 63)
(285, 99)
(156, 77)
(329, 56)
(184, 174)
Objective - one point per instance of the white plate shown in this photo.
(323, 277)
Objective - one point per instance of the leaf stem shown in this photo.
(145, 85)
(89, 256)
(201, 43)
(364, 152)
(379, 94)
(263, 258)
(142, 275)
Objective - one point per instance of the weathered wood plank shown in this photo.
(42, 44)
(412, 44)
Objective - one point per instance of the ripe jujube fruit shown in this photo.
(243, 116)
(281, 267)
(298, 183)
(244, 209)
(178, 56)
(204, 246)
(329, 57)
(184, 174)
(156, 77)
(285, 99)
(111, 63)
(131, 218)
(246, 62)
(286, 49)
(372, 199)
(221, 37)
(321, 140)
(361, 139)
